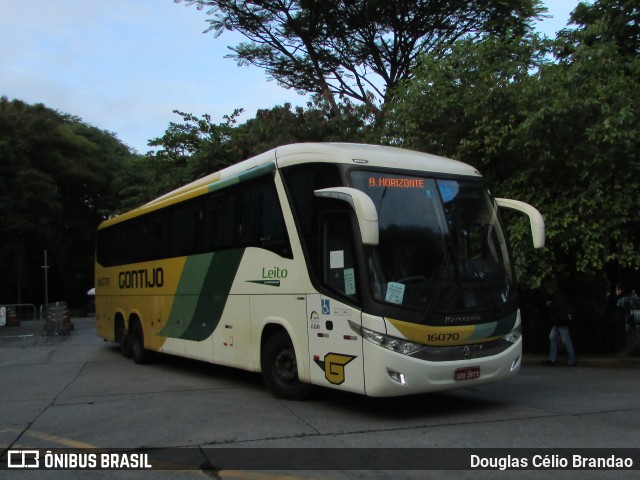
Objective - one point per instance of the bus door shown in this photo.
(335, 350)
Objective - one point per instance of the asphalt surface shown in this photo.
(77, 392)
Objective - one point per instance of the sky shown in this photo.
(125, 65)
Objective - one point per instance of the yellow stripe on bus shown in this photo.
(438, 336)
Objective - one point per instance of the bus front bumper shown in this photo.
(388, 373)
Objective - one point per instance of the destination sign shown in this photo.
(395, 182)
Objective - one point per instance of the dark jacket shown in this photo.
(560, 309)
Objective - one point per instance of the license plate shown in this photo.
(467, 373)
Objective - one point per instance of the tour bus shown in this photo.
(364, 268)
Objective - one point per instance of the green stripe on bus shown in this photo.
(241, 177)
(202, 294)
(495, 329)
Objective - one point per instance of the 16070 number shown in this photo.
(442, 337)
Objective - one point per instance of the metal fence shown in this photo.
(12, 314)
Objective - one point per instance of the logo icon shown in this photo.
(470, 350)
(23, 459)
(333, 366)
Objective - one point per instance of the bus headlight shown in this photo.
(514, 335)
(391, 343)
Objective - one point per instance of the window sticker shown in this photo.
(395, 293)
(336, 259)
(349, 281)
(448, 189)
(314, 321)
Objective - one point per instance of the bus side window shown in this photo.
(219, 228)
(302, 181)
(132, 248)
(184, 221)
(338, 263)
(158, 233)
(262, 223)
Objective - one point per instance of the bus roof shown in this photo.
(371, 155)
(294, 154)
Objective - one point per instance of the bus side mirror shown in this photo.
(537, 222)
(362, 205)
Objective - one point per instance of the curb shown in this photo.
(586, 361)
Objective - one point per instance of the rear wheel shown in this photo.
(280, 368)
(122, 338)
(139, 353)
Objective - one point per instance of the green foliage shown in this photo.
(197, 147)
(616, 22)
(55, 187)
(462, 99)
(186, 151)
(358, 50)
(316, 123)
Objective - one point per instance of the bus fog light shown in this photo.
(397, 377)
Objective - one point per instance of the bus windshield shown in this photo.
(442, 248)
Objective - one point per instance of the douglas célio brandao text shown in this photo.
(550, 461)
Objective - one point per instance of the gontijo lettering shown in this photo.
(142, 278)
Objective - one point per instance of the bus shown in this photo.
(364, 268)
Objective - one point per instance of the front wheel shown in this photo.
(280, 368)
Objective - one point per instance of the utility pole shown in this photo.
(45, 267)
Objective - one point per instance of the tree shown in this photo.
(356, 49)
(186, 151)
(605, 21)
(282, 125)
(197, 146)
(56, 174)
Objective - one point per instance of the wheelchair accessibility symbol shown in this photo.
(326, 308)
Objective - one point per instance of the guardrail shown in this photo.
(10, 316)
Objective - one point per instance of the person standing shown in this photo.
(560, 314)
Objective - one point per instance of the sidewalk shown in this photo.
(602, 361)
(629, 356)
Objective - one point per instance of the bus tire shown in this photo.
(280, 368)
(123, 339)
(139, 353)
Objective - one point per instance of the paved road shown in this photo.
(78, 392)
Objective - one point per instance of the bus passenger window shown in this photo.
(183, 230)
(302, 181)
(220, 219)
(262, 223)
